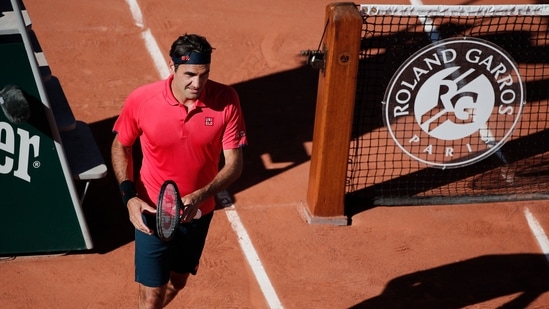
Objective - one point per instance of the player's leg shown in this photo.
(177, 283)
(151, 297)
(151, 266)
(187, 246)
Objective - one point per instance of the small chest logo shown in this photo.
(454, 102)
(208, 121)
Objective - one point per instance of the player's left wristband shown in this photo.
(127, 191)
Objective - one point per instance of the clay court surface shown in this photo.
(446, 256)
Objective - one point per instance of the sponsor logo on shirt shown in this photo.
(208, 121)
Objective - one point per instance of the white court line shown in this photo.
(150, 42)
(232, 215)
(253, 260)
(156, 54)
(538, 232)
(136, 12)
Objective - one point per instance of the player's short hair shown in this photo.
(187, 44)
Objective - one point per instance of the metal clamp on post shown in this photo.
(315, 58)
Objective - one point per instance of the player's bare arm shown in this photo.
(234, 162)
(122, 162)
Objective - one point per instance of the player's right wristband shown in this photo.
(127, 190)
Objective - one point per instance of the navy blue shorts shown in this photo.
(155, 259)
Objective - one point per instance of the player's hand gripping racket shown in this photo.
(170, 210)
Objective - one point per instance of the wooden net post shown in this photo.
(334, 115)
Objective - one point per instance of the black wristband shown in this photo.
(127, 190)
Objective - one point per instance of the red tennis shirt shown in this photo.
(179, 144)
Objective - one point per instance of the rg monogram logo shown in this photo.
(454, 102)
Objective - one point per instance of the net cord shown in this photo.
(454, 10)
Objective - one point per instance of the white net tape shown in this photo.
(455, 10)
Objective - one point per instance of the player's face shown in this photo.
(189, 80)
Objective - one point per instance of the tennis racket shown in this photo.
(170, 210)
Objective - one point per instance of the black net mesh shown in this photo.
(380, 171)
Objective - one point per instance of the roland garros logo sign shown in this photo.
(454, 102)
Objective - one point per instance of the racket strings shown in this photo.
(169, 217)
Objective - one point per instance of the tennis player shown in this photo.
(184, 123)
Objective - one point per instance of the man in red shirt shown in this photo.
(183, 123)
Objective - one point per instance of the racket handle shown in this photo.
(198, 214)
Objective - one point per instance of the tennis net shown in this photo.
(421, 131)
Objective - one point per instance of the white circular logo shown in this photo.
(454, 102)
